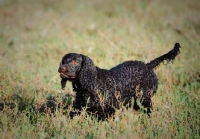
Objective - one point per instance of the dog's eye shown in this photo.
(74, 62)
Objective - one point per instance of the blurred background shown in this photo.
(34, 35)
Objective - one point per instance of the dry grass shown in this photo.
(34, 35)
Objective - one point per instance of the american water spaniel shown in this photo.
(101, 91)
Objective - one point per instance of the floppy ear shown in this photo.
(88, 74)
(63, 83)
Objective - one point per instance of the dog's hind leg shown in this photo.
(146, 100)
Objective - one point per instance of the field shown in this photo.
(34, 35)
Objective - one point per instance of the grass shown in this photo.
(34, 35)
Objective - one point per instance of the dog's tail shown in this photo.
(170, 56)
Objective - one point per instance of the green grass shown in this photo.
(34, 35)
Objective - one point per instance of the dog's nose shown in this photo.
(62, 69)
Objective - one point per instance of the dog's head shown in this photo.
(70, 66)
(78, 67)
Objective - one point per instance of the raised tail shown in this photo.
(170, 56)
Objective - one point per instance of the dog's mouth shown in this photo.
(63, 76)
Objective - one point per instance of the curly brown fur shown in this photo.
(103, 91)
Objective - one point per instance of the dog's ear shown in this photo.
(88, 74)
(63, 83)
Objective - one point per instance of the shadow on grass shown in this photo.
(32, 109)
